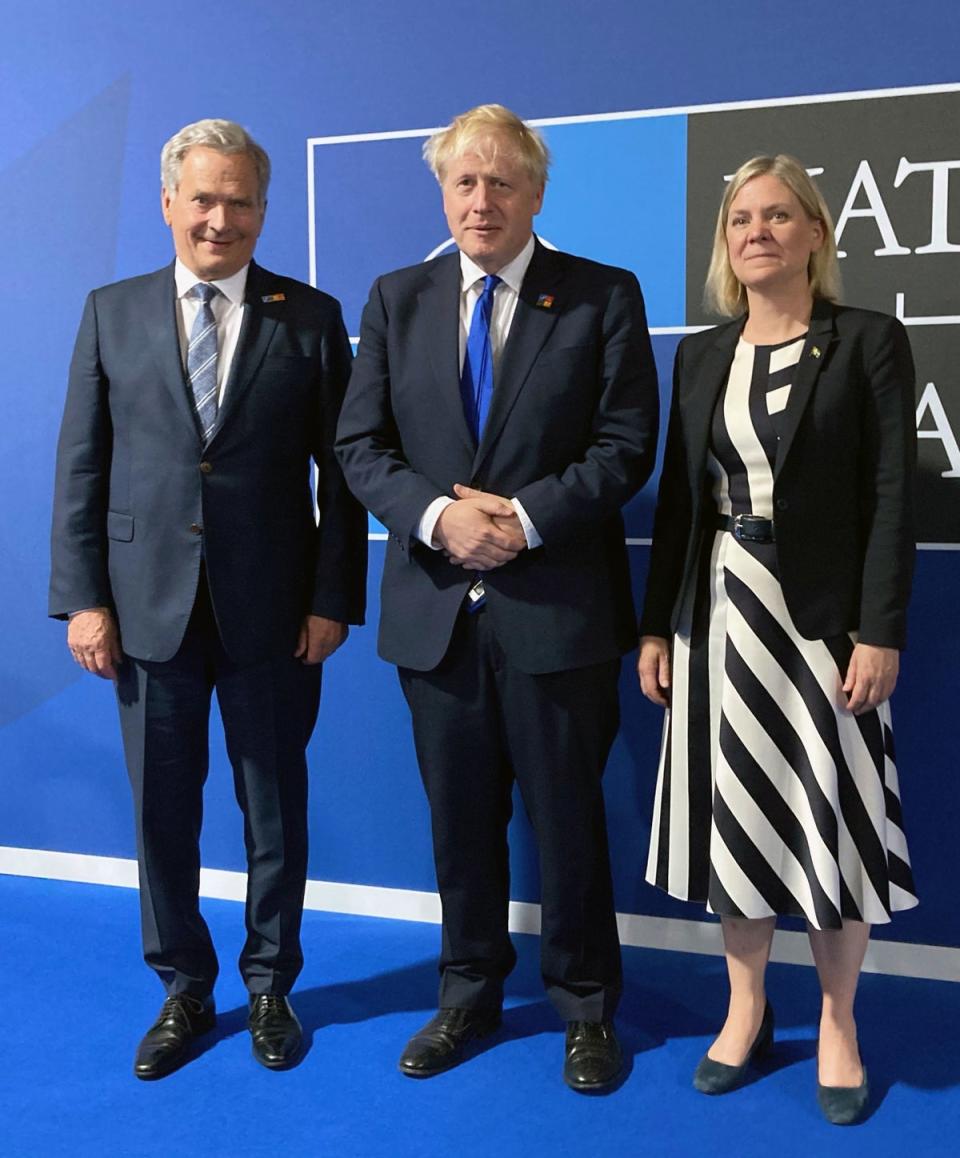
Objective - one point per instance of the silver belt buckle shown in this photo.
(752, 529)
(477, 595)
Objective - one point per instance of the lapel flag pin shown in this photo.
(274, 298)
(815, 351)
(545, 301)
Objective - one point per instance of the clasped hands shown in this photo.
(479, 531)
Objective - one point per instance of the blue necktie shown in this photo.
(202, 358)
(476, 378)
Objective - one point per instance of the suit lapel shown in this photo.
(703, 396)
(539, 305)
(259, 322)
(819, 337)
(160, 318)
(439, 306)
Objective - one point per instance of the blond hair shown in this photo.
(723, 293)
(488, 131)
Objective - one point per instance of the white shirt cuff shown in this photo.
(428, 520)
(529, 530)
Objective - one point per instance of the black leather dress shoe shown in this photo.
(275, 1030)
(713, 1077)
(167, 1042)
(443, 1041)
(593, 1057)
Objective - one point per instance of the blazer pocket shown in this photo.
(119, 527)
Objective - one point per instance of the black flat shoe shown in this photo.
(713, 1077)
(593, 1057)
(277, 1038)
(167, 1043)
(844, 1105)
(442, 1043)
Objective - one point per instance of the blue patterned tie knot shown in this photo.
(202, 358)
(476, 378)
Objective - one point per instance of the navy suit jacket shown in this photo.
(139, 499)
(843, 481)
(571, 433)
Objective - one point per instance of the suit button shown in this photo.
(476, 484)
(206, 467)
(196, 529)
(782, 505)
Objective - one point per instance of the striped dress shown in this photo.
(771, 798)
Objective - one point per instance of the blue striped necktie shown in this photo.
(202, 358)
(476, 378)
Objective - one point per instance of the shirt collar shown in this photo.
(233, 288)
(512, 273)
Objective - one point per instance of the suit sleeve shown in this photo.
(78, 570)
(622, 446)
(340, 581)
(888, 483)
(368, 441)
(671, 524)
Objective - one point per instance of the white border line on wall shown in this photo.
(382, 536)
(591, 118)
(896, 958)
(632, 114)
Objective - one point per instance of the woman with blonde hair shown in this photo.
(774, 616)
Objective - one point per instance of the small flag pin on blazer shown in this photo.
(815, 351)
(545, 301)
(274, 298)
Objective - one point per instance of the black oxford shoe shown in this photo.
(443, 1041)
(275, 1030)
(593, 1057)
(167, 1043)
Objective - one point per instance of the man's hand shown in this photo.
(479, 531)
(94, 642)
(653, 668)
(871, 677)
(319, 638)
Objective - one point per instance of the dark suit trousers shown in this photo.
(479, 723)
(269, 710)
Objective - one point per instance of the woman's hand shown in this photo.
(871, 677)
(653, 668)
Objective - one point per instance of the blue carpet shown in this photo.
(78, 999)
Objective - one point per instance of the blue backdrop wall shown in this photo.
(89, 95)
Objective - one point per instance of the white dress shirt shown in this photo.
(227, 308)
(504, 307)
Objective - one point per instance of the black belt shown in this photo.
(746, 528)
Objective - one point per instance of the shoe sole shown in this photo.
(286, 1064)
(593, 1087)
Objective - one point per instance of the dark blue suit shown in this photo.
(210, 557)
(526, 688)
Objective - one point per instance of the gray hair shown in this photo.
(221, 136)
(488, 130)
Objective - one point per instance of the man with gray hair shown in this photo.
(187, 558)
(503, 407)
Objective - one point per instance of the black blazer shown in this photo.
(571, 433)
(139, 500)
(843, 478)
